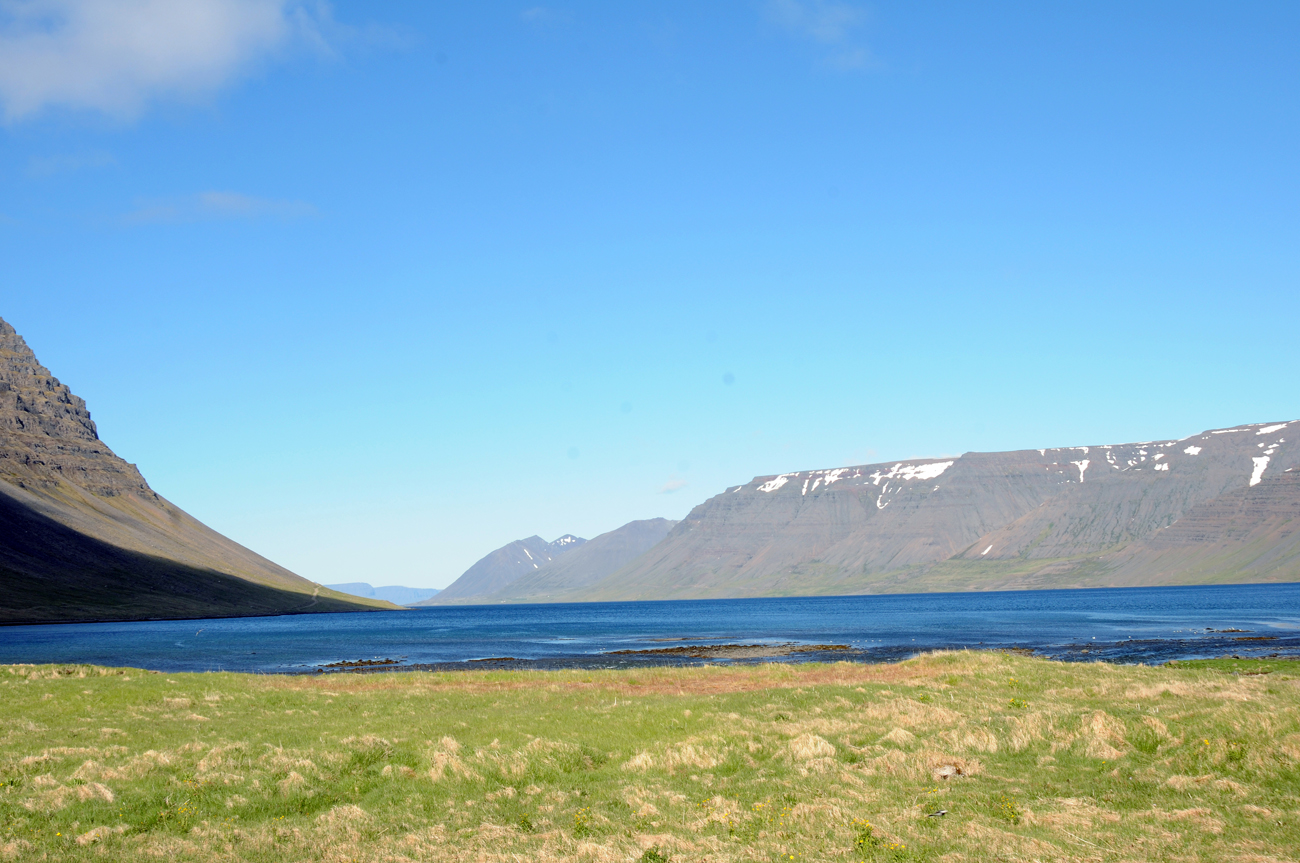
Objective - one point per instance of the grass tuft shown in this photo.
(957, 756)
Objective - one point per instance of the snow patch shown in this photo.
(530, 557)
(1163, 466)
(986, 551)
(1258, 473)
(1192, 450)
(907, 472)
(1226, 431)
(881, 503)
(773, 484)
(1271, 429)
(1082, 466)
(805, 486)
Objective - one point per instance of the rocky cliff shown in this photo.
(84, 537)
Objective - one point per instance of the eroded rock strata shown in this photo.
(84, 537)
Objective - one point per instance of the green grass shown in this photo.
(1030, 760)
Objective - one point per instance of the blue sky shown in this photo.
(376, 288)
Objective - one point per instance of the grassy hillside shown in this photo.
(52, 573)
(1029, 760)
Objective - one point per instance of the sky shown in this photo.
(376, 288)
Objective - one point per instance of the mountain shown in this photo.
(584, 566)
(84, 537)
(1217, 506)
(393, 593)
(501, 568)
(1248, 534)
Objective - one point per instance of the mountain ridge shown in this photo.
(590, 562)
(1047, 517)
(394, 593)
(86, 538)
(501, 567)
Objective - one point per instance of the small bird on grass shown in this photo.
(939, 814)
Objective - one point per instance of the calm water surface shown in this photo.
(1125, 625)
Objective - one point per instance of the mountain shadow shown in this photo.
(50, 573)
(84, 537)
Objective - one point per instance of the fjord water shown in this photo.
(1122, 624)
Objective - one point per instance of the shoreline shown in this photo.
(1148, 652)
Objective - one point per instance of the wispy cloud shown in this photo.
(215, 205)
(545, 15)
(117, 56)
(672, 485)
(831, 24)
(48, 166)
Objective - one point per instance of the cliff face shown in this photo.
(46, 434)
(83, 536)
(1079, 516)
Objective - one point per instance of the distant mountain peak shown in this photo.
(568, 542)
(499, 569)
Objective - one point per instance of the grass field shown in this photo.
(1030, 760)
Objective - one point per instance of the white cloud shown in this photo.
(825, 22)
(46, 166)
(116, 56)
(828, 23)
(216, 205)
(672, 485)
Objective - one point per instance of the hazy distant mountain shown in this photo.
(83, 537)
(584, 566)
(392, 593)
(1218, 506)
(503, 567)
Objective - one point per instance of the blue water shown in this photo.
(1128, 625)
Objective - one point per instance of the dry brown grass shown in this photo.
(1031, 761)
